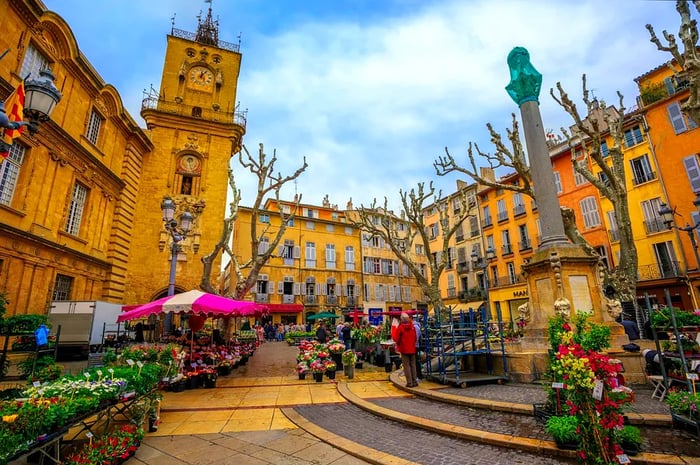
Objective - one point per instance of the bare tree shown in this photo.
(687, 59)
(414, 203)
(248, 268)
(585, 141)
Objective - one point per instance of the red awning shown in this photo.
(282, 308)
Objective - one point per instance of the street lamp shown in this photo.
(478, 262)
(178, 232)
(40, 98)
(668, 216)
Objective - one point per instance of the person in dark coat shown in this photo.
(322, 333)
(345, 335)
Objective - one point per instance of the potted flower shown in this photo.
(224, 367)
(209, 377)
(330, 367)
(349, 360)
(317, 368)
(359, 359)
(564, 430)
(302, 368)
(684, 410)
(630, 439)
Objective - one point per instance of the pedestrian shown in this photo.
(419, 371)
(346, 335)
(321, 333)
(280, 332)
(339, 330)
(406, 345)
(260, 333)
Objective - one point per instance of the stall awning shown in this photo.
(466, 306)
(282, 308)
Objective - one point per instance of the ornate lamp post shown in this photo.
(668, 216)
(178, 231)
(40, 98)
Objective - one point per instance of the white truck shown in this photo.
(83, 324)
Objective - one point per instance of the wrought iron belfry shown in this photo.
(207, 30)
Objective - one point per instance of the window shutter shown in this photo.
(676, 116)
(297, 251)
(280, 287)
(280, 251)
(693, 171)
(318, 289)
(297, 289)
(271, 287)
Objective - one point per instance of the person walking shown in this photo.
(416, 326)
(346, 335)
(321, 333)
(406, 345)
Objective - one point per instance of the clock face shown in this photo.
(201, 78)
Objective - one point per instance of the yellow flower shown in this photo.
(9, 418)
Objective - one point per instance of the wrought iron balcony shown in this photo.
(462, 267)
(287, 299)
(660, 271)
(655, 225)
(642, 177)
(331, 300)
(351, 301)
(262, 298)
(487, 222)
(209, 114)
(471, 295)
(507, 249)
(310, 300)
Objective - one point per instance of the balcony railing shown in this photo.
(331, 300)
(640, 178)
(351, 301)
(462, 267)
(287, 298)
(660, 271)
(474, 232)
(310, 300)
(262, 298)
(451, 292)
(487, 222)
(655, 225)
(502, 216)
(519, 210)
(191, 36)
(209, 114)
(472, 294)
(507, 280)
(524, 245)
(507, 249)
(459, 238)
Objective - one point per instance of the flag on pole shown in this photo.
(14, 107)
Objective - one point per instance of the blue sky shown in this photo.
(372, 91)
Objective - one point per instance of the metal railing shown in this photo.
(310, 300)
(506, 249)
(209, 114)
(641, 178)
(655, 225)
(660, 271)
(192, 36)
(472, 294)
(524, 245)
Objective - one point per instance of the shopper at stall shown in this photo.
(416, 326)
(406, 345)
(346, 335)
(322, 333)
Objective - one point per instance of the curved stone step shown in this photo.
(425, 418)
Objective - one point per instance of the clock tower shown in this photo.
(195, 127)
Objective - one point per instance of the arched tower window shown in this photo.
(188, 175)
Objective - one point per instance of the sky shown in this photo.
(371, 92)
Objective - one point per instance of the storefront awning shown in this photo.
(466, 306)
(282, 308)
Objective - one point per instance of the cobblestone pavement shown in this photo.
(412, 443)
(657, 439)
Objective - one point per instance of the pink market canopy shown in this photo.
(194, 301)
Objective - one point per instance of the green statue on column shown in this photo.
(525, 81)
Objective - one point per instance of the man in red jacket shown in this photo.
(406, 346)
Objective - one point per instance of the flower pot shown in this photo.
(349, 371)
(338, 359)
(330, 374)
(224, 370)
(302, 375)
(318, 377)
(630, 448)
(210, 381)
(566, 445)
(685, 423)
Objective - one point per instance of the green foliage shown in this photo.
(45, 364)
(554, 332)
(684, 403)
(629, 436)
(563, 428)
(661, 318)
(22, 324)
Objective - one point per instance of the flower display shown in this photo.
(684, 403)
(317, 366)
(335, 346)
(329, 365)
(349, 357)
(110, 449)
(302, 367)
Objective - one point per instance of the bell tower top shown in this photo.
(207, 30)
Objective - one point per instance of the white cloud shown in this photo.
(372, 102)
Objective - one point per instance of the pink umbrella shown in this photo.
(194, 301)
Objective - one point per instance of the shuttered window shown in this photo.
(693, 171)
(589, 210)
(676, 116)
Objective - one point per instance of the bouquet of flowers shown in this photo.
(302, 367)
(110, 449)
(335, 346)
(329, 365)
(349, 357)
(317, 366)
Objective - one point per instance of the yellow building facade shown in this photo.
(80, 215)
(195, 128)
(674, 140)
(68, 194)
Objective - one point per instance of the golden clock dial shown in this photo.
(201, 77)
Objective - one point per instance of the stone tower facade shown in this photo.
(195, 127)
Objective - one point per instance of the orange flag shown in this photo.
(14, 107)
